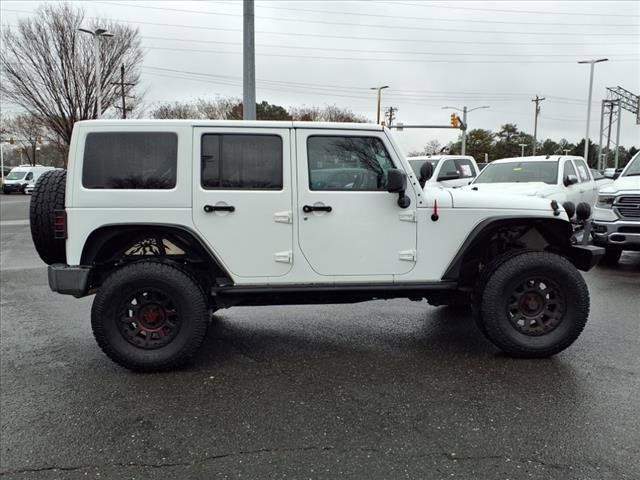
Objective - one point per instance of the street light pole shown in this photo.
(249, 62)
(586, 136)
(379, 89)
(97, 34)
(463, 148)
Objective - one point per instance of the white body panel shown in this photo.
(268, 239)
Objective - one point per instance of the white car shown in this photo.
(448, 170)
(616, 217)
(556, 177)
(166, 221)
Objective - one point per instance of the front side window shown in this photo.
(29, 176)
(568, 169)
(347, 163)
(583, 172)
(239, 161)
(130, 160)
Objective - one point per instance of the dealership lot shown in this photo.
(392, 389)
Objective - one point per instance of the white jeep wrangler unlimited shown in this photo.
(168, 221)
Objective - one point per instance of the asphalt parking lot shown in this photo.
(393, 389)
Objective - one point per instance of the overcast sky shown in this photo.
(430, 53)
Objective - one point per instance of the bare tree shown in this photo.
(175, 110)
(48, 66)
(27, 134)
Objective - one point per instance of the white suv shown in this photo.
(168, 221)
(446, 170)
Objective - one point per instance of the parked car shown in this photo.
(448, 170)
(565, 179)
(616, 222)
(20, 177)
(612, 173)
(599, 178)
(168, 221)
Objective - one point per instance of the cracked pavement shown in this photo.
(385, 390)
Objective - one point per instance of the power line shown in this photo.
(362, 14)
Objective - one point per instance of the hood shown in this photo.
(538, 189)
(484, 199)
(622, 183)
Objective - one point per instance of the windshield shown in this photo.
(634, 166)
(416, 164)
(546, 172)
(16, 175)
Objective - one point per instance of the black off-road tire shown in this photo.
(481, 282)
(111, 306)
(47, 197)
(611, 255)
(564, 282)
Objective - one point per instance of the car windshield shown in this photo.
(634, 167)
(416, 164)
(16, 175)
(546, 172)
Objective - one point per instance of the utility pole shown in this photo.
(97, 34)
(379, 89)
(537, 101)
(463, 147)
(390, 115)
(522, 145)
(586, 136)
(122, 84)
(249, 62)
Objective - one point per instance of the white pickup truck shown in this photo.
(566, 179)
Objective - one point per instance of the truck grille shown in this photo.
(628, 206)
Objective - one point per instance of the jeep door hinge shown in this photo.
(409, 216)
(283, 217)
(407, 255)
(283, 257)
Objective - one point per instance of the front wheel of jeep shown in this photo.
(150, 316)
(534, 305)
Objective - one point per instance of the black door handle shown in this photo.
(219, 208)
(314, 208)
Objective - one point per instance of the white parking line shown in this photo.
(7, 223)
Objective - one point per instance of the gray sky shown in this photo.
(430, 53)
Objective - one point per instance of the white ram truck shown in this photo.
(168, 221)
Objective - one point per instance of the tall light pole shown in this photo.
(97, 34)
(463, 149)
(248, 62)
(379, 89)
(537, 101)
(586, 136)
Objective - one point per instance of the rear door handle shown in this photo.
(316, 208)
(219, 208)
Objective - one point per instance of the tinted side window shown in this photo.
(448, 168)
(583, 172)
(568, 168)
(347, 163)
(465, 168)
(237, 161)
(29, 176)
(130, 160)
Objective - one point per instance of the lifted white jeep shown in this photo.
(168, 221)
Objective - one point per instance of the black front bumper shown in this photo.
(585, 257)
(69, 280)
(13, 187)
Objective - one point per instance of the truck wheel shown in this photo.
(611, 255)
(534, 305)
(150, 316)
(47, 197)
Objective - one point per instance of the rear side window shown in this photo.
(130, 160)
(465, 168)
(238, 161)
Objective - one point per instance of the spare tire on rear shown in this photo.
(48, 196)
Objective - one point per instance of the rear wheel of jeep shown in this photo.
(611, 255)
(150, 316)
(534, 305)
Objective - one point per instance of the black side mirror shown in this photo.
(448, 176)
(570, 180)
(397, 183)
(426, 172)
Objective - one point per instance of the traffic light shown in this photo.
(454, 120)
